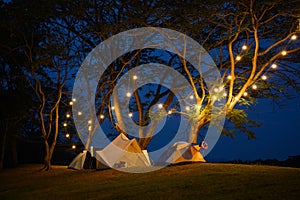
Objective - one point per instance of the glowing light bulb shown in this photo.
(71, 103)
(225, 94)
(79, 113)
(245, 94)
(191, 97)
(68, 115)
(198, 106)
(187, 108)
(65, 124)
(254, 87)
(90, 122)
(101, 116)
(294, 37)
(229, 77)
(67, 135)
(130, 114)
(274, 66)
(90, 128)
(283, 53)
(128, 94)
(216, 90)
(221, 88)
(73, 146)
(238, 58)
(244, 47)
(74, 100)
(112, 107)
(135, 77)
(264, 77)
(160, 105)
(170, 112)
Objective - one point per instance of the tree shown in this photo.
(246, 39)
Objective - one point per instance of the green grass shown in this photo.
(191, 181)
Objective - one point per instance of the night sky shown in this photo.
(277, 138)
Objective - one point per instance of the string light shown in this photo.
(198, 107)
(65, 124)
(74, 100)
(90, 122)
(245, 94)
(244, 47)
(67, 135)
(73, 146)
(238, 58)
(191, 97)
(225, 94)
(130, 114)
(68, 115)
(112, 107)
(254, 87)
(71, 103)
(283, 53)
(170, 112)
(128, 94)
(294, 37)
(101, 116)
(187, 108)
(229, 77)
(160, 105)
(274, 66)
(135, 77)
(264, 77)
(79, 113)
(216, 90)
(90, 128)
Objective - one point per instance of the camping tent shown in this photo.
(181, 152)
(78, 161)
(122, 152)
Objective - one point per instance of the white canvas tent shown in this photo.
(78, 161)
(122, 152)
(181, 152)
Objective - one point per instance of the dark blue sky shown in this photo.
(278, 138)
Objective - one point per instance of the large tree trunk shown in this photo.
(47, 159)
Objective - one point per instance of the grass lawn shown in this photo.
(190, 181)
